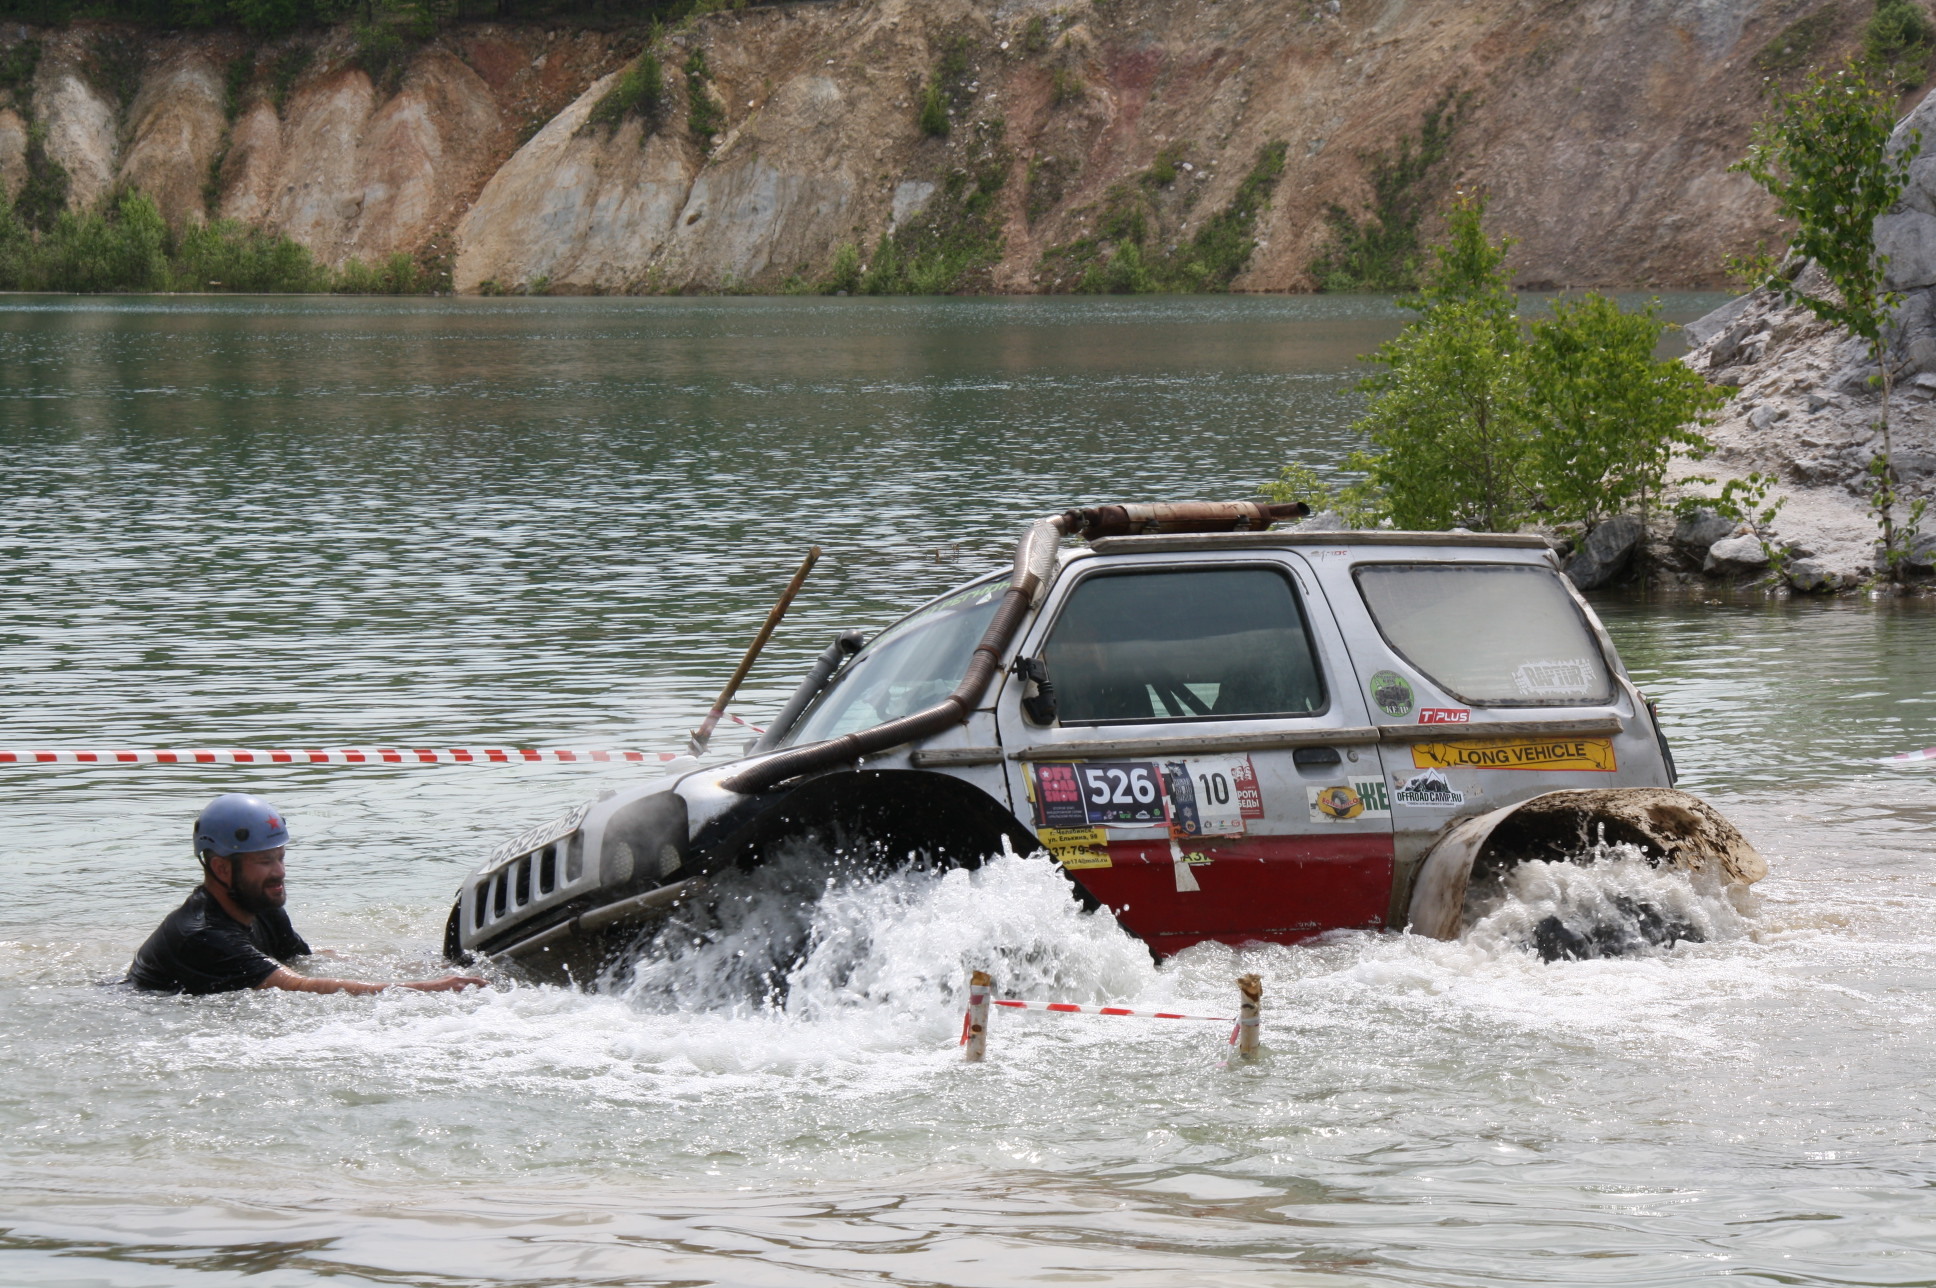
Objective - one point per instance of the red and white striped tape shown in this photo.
(331, 756)
(1927, 753)
(1070, 1008)
(1073, 1009)
(339, 755)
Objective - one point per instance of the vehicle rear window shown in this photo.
(1185, 645)
(1494, 635)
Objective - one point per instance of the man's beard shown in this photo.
(255, 899)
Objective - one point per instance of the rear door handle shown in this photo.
(1308, 757)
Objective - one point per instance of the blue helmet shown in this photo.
(239, 824)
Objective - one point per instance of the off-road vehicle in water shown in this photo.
(1222, 730)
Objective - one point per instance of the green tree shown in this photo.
(1824, 155)
(1450, 420)
(1610, 417)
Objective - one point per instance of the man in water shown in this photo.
(232, 933)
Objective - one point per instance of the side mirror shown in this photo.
(1038, 693)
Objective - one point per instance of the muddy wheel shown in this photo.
(1669, 827)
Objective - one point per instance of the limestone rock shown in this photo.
(1606, 553)
(1735, 557)
(1695, 534)
(178, 122)
(1811, 577)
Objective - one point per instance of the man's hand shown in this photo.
(448, 984)
(294, 983)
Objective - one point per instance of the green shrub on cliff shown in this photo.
(1127, 253)
(1897, 42)
(1378, 250)
(639, 91)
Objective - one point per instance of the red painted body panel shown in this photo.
(1280, 889)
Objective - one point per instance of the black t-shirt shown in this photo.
(199, 948)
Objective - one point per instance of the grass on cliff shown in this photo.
(1131, 253)
(1378, 249)
(128, 246)
(947, 249)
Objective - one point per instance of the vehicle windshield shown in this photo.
(1491, 635)
(911, 665)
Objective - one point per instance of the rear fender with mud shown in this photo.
(1674, 827)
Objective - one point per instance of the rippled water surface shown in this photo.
(555, 523)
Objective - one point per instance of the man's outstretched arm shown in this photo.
(294, 983)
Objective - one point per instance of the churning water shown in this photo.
(554, 523)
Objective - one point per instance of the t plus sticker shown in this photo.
(1444, 715)
(1347, 801)
(1392, 692)
(1428, 788)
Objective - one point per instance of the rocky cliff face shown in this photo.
(1602, 132)
(1810, 404)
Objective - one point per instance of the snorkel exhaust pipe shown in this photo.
(1035, 558)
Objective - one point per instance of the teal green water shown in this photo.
(555, 523)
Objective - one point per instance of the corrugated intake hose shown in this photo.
(1034, 565)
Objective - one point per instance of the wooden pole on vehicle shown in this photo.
(1249, 1015)
(974, 1031)
(704, 733)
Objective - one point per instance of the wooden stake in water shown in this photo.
(704, 733)
(1249, 1015)
(974, 1034)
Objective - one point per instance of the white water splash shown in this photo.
(791, 939)
(1613, 902)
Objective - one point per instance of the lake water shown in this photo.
(555, 523)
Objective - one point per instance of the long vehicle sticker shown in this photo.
(1346, 801)
(1594, 755)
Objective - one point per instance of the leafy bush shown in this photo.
(127, 246)
(950, 246)
(844, 274)
(1475, 423)
(42, 198)
(640, 92)
(1379, 250)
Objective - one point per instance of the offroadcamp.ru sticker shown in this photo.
(1392, 692)
(1367, 799)
(1593, 755)
(1430, 788)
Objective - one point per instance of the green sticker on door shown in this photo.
(1392, 692)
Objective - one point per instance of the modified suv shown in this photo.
(1221, 728)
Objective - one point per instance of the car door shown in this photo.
(1208, 769)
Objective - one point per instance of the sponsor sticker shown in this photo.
(1444, 715)
(1206, 796)
(1571, 677)
(1594, 755)
(1429, 788)
(1077, 847)
(1345, 801)
(1392, 692)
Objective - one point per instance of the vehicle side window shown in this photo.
(1491, 635)
(1191, 644)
